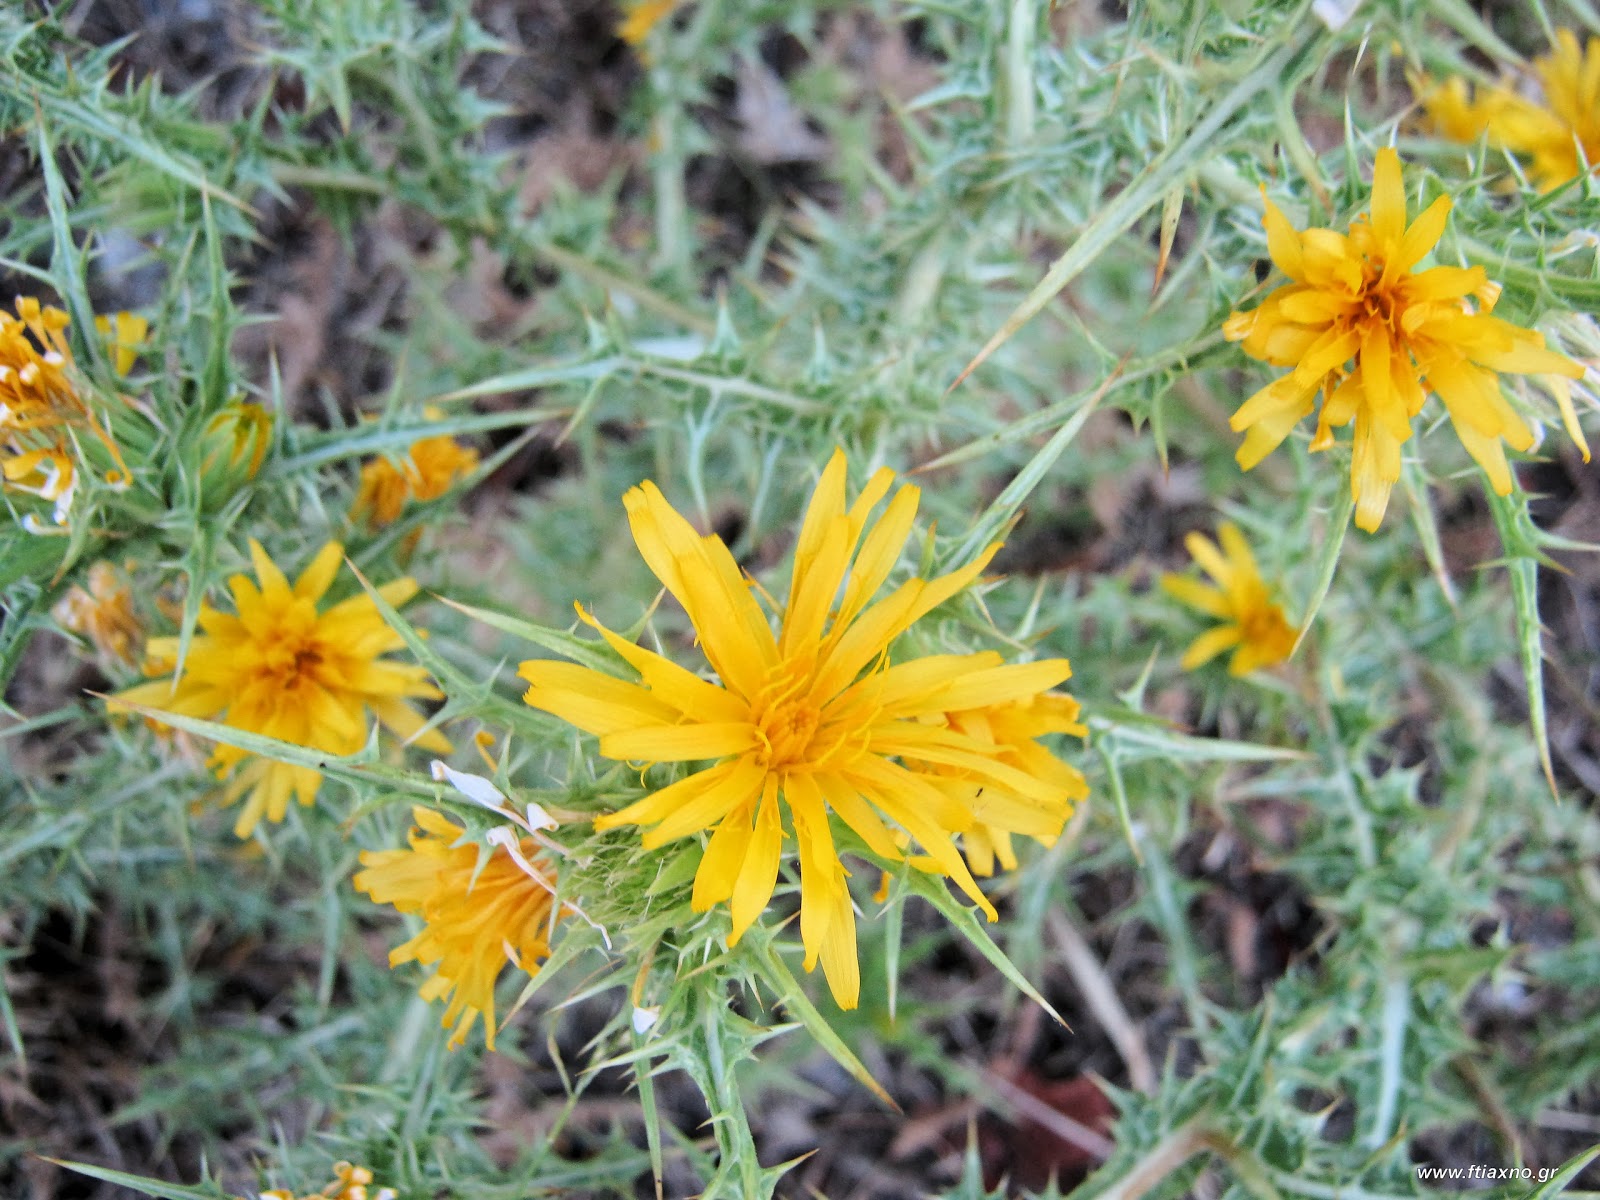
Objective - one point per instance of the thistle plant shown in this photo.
(847, 371)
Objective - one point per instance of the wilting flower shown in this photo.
(42, 411)
(104, 614)
(1374, 336)
(479, 913)
(428, 471)
(1560, 137)
(640, 17)
(350, 1183)
(283, 669)
(812, 719)
(1253, 625)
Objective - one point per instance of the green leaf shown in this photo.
(998, 515)
(932, 889)
(1328, 564)
(777, 976)
(595, 655)
(1517, 539)
(1567, 1173)
(143, 1184)
(1272, 69)
(1134, 742)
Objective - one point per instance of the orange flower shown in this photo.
(1560, 137)
(640, 17)
(479, 913)
(286, 670)
(428, 471)
(103, 614)
(350, 1183)
(41, 408)
(815, 719)
(1252, 623)
(1374, 336)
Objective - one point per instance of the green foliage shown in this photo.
(987, 312)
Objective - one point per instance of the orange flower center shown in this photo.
(292, 652)
(786, 717)
(787, 731)
(1381, 304)
(1259, 622)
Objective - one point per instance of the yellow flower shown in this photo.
(1550, 134)
(1010, 731)
(350, 1183)
(103, 614)
(1453, 111)
(476, 919)
(284, 670)
(124, 333)
(1253, 625)
(41, 409)
(427, 472)
(808, 720)
(249, 429)
(1374, 336)
(640, 17)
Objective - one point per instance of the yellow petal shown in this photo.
(998, 685)
(1283, 243)
(274, 587)
(719, 867)
(1388, 200)
(759, 871)
(679, 743)
(676, 687)
(1196, 595)
(696, 810)
(856, 813)
(407, 723)
(593, 702)
(1374, 470)
(1421, 237)
(879, 553)
(840, 963)
(1210, 644)
(315, 579)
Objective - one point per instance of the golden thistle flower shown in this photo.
(1453, 111)
(1374, 336)
(286, 670)
(40, 407)
(1253, 625)
(427, 472)
(104, 614)
(1558, 137)
(811, 719)
(640, 17)
(476, 917)
(350, 1183)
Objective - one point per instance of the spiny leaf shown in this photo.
(1271, 69)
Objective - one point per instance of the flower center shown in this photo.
(787, 731)
(288, 661)
(1259, 621)
(292, 652)
(1381, 304)
(786, 716)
